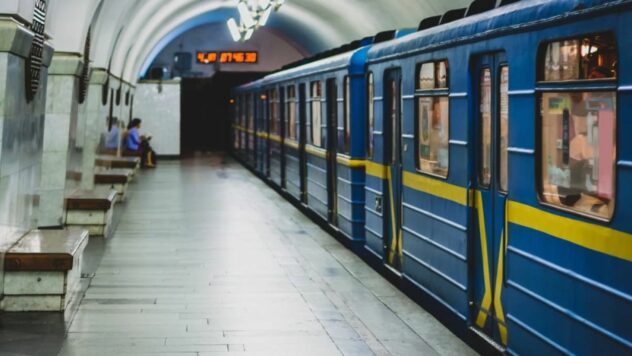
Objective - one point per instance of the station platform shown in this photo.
(207, 259)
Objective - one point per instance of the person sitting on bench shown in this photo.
(112, 138)
(137, 143)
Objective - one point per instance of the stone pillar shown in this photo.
(21, 135)
(95, 126)
(59, 149)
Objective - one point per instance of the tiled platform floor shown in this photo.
(208, 260)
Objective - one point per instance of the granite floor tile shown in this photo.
(218, 264)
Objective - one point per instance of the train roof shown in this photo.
(351, 56)
(435, 33)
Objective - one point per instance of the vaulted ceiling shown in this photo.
(126, 34)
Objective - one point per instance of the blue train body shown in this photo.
(456, 171)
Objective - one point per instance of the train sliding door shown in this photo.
(491, 82)
(393, 246)
(332, 135)
(302, 140)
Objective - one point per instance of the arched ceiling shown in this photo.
(126, 34)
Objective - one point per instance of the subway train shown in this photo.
(483, 163)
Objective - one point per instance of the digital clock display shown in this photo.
(227, 57)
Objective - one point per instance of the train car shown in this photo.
(498, 156)
(249, 129)
(312, 154)
(309, 146)
(494, 168)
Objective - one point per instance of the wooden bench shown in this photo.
(109, 161)
(114, 162)
(118, 179)
(91, 210)
(113, 152)
(42, 270)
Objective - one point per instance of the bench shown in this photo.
(113, 152)
(118, 179)
(108, 161)
(42, 270)
(91, 210)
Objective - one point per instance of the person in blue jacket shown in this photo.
(135, 142)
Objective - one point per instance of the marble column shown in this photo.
(21, 135)
(95, 126)
(59, 130)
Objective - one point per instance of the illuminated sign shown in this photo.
(227, 57)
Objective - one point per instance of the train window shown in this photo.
(485, 154)
(432, 120)
(504, 127)
(290, 112)
(578, 126)
(347, 116)
(578, 151)
(251, 112)
(588, 57)
(370, 94)
(275, 124)
(427, 76)
(242, 111)
(316, 117)
(432, 75)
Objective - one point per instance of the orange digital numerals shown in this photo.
(227, 57)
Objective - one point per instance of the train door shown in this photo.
(393, 245)
(332, 134)
(261, 142)
(283, 119)
(491, 82)
(252, 112)
(302, 121)
(267, 116)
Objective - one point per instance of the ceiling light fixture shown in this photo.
(252, 15)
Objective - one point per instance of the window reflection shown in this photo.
(578, 151)
(291, 123)
(485, 173)
(316, 120)
(433, 135)
(504, 127)
(590, 57)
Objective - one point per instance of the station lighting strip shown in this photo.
(252, 15)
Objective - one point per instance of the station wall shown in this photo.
(158, 105)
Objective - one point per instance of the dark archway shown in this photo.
(205, 110)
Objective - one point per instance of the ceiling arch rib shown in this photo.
(304, 34)
(70, 36)
(106, 28)
(147, 24)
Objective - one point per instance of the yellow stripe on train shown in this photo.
(591, 236)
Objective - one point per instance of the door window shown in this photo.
(432, 118)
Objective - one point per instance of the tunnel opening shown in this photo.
(206, 111)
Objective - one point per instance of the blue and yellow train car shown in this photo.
(480, 162)
(496, 186)
(321, 164)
